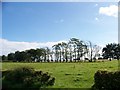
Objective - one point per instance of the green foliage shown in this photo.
(105, 80)
(11, 56)
(25, 77)
(111, 51)
(4, 57)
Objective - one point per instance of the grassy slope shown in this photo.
(72, 75)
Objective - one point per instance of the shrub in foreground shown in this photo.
(25, 77)
(105, 80)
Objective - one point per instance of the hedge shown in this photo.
(26, 78)
(105, 80)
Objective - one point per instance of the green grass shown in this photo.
(69, 75)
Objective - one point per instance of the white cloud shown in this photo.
(59, 21)
(112, 10)
(12, 46)
(96, 19)
(96, 5)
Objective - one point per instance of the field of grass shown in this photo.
(69, 75)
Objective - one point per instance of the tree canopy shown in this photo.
(73, 50)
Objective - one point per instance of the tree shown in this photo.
(80, 49)
(85, 50)
(38, 54)
(60, 51)
(43, 54)
(96, 50)
(20, 56)
(108, 51)
(66, 51)
(51, 55)
(56, 51)
(70, 51)
(11, 56)
(93, 50)
(32, 54)
(117, 51)
(63, 45)
(111, 51)
(48, 53)
(4, 57)
(73, 43)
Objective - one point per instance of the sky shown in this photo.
(28, 25)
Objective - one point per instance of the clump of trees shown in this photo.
(74, 50)
(111, 51)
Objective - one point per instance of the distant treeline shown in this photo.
(72, 51)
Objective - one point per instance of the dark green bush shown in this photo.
(105, 80)
(27, 78)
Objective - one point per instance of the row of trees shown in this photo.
(73, 50)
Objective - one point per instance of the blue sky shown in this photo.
(52, 22)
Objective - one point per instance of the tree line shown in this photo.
(72, 51)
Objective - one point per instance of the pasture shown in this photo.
(69, 75)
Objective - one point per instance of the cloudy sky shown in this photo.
(28, 25)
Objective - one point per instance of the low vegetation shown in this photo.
(26, 78)
(68, 75)
(105, 80)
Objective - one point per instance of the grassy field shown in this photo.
(69, 75)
